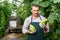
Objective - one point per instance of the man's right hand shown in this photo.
(28, 32)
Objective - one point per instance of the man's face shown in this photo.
(35, 10)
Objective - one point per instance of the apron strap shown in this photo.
(31, 18)
(40, 18)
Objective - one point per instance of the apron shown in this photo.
(38, 35)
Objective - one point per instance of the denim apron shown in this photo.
(38, 35)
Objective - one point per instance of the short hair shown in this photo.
(36, 5)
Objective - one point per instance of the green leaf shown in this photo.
(41, 11)
(35, 2)
(57, 31)
(55, 1)
(51, 18)
(44, 4)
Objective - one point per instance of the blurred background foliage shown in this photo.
(5, 11)
(48, 8)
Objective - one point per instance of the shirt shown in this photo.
(28, 20)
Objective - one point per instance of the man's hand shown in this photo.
(29, 32)
(42, 25)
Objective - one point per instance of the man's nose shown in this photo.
(36, 11)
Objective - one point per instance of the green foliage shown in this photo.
(44, 4)
(54, 16)
(5, 11)
(23, 11)
(55, 1)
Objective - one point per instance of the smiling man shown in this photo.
(34, 20)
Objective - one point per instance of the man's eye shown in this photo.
(37, 10)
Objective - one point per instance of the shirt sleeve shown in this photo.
(25, 26)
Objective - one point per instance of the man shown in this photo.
(34, 19)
